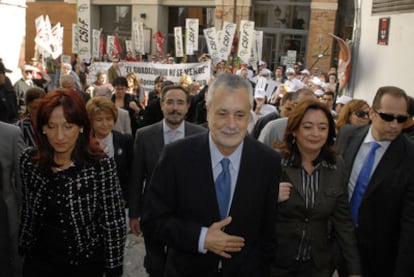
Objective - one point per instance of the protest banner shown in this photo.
(200, 72)
(84, 29)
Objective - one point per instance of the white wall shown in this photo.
(381, 65)
(13, 32)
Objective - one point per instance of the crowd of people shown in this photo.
(226, 179)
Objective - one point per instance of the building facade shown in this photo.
(300, 26)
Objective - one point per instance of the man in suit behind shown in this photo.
(384, 218)
(11, 146)
(149, 142)
(213, 197)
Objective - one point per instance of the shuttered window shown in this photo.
(392, 6)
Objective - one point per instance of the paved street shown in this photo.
(134, 257)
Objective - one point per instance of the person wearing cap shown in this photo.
(23, 84)
(304, 76)
(263, 70)
(244, 65)
(8, 103)
(261, 108)
(292, 82)
(340, 102)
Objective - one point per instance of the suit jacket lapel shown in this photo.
(293, 176)
(353, 149)
(201, 157)
(158, 136)
(389, 161)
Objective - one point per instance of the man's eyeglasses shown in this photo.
(361, 114)
(390, 117)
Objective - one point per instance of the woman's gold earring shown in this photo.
(81, 131)
(44, 132)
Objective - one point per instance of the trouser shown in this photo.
(155, 258)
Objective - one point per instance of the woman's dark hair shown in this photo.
(289, 147)
(120, 81)
(87, 150)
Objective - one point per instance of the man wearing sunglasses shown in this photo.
(380, 181)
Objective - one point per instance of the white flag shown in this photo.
(191, 35)
(246, 40)
(178, 39)
(43, 34)
(57, 41)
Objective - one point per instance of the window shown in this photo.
(177, 17)
(392, 6)
(116, 20)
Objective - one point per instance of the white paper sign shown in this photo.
(84, 29)
(212, 43)
(226, 39)
(246, 40)
(259, 44)
(191, 35)
(96, 34)
(128, 46)
(110, 45)
(178, 39)
(74, 38)
(138, 33)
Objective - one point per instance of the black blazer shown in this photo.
(181, 200)
(148, 145)
(331, 208)
(386, 216)
(123, 153)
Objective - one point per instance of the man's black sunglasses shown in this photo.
(361, 114)
(390, 117)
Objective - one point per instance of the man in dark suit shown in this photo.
(11, 146)
(385, 217)
(149, 142)
(213, 197)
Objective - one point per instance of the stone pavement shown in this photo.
(134, 257)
